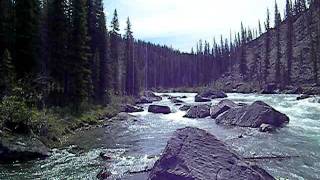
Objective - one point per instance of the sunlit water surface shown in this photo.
(136, 145)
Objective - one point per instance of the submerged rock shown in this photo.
(159, 109)
(130, 108)
(253, 116)
(104, 174)
(16, 147)
(198, 111)
(176, 101)
(195, 154)
(199, 98)
(185, 107)
(304, 96)
(222, 107)
(266, 128)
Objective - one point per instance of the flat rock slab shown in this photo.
(253, 116)
(194, 154)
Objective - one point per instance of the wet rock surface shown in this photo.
(198, 111)
(253, 116)
(222, 107)
(131, 108)
(193, 153)
(15, 147)
(158, 109)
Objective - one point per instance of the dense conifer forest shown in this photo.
(64, 51)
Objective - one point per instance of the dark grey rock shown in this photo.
(198, 111)
(253, 116)
(304, 96)
(185, 107)
(148, 98)
(193, 154)
(211, 94)
(269, 88)
(104, 174)
(159, 109)
(15, 147)
(199, 98)
(130, 108)
(176, 101)
(222, 107)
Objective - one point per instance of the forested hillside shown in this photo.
(63, 53)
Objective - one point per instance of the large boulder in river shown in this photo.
(253, 116)
(15, 147)
(159, 109)
(198, 111)
(195, 154)
(222, 107)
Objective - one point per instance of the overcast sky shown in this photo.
(181, 23)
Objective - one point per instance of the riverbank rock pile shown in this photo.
(195, 154)
(207, 95)
(148, 97)
(253, 116)
(15, 147)
(198, 111)
(158, 109)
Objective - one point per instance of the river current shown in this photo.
(135, 145)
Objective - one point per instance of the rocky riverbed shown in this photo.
(130, 145)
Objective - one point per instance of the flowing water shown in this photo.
(136, 144)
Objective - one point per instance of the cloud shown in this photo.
(185, 21)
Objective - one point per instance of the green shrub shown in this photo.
(15, 114)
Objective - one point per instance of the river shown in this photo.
(136, 144)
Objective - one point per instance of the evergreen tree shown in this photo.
(27, 36)
(7, 73)
(267, 48)
(103, 54)
(57, 39)
(115, 52)
(131, 79)
(6, 25)
(243, 62)
(81, 85)
(289, 46)
(277, 23)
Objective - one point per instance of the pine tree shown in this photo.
(267, 48)
(6, 25)
(289, 33)
(115, 53)
(57, 39)
(131, 81)
(81, 85)
(277, 23)
(243, 61)
(7, 73)
(103, 47)
(27, 36)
